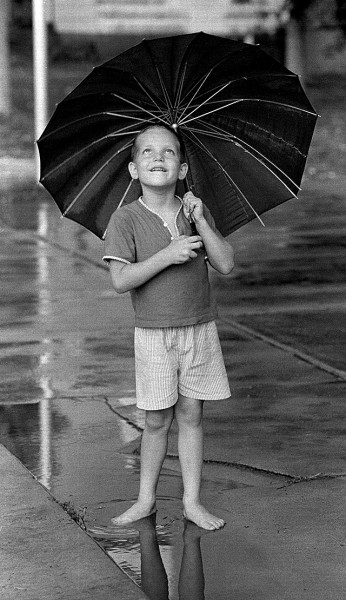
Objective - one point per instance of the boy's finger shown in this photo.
(195, 238)
(197, 245)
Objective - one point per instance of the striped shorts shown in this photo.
(179, 360)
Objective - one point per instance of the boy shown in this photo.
(179, 364)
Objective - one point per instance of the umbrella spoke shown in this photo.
(200, 144)
(138, 120)
(138, 106)
(162, 110)
(81, 151)
(232, 102)
(200, 83)
(120, 203)
(82, 190)
(193, 97)
(251, 150)
(232, 81)
(164, 89)
(177, 102)
(188, 119)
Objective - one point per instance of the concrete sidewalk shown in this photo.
(44, 554)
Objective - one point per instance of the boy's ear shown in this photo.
(183, 170)
(133, 170)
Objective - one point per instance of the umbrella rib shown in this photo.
(211, 70)
(149, 95)
(193, 97)
(120, 203)
(233, 80)
(109, 113)
(178, 97)
(266, 100)
(184, 121)
(81, 150)
(125, 147)
(248, 77)
(241, 143)
(163, 87)
(141, 108)
(224, 135)
(205, 149)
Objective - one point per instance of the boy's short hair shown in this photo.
(134, 148)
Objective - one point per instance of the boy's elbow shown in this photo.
(226, 268)
(119, 288)
(227, 264)
(119, 285)
(224, 265)
(118, 278)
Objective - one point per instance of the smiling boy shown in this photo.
(179, 365)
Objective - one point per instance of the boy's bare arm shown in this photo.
(126, 277)
(219, 251)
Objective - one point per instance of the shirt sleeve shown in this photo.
(119, 241)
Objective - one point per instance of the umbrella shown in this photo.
(243, 118)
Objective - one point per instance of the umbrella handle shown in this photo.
(190, 188)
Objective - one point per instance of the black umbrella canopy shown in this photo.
(243, 118)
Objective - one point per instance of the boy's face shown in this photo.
(157, 159)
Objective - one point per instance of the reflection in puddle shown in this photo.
(165, 560)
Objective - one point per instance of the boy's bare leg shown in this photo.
(188, 412)
(153, 452)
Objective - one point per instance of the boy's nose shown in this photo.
(158, 156)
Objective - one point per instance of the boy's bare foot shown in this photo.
(192, 533)
(146, 525)
(202, 518)
(136, 512)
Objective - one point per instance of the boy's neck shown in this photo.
(157, 199)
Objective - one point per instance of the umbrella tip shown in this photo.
(175, 126)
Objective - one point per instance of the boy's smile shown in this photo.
(157, 159)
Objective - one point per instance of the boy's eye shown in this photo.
(146, 151)
(169, 151)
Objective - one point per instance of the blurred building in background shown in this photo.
(97, 29)
(113, 25)
(237, 18)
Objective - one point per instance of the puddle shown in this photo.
(162, 555)
(172, 559)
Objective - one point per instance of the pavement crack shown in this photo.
(315, 477)
(290, 479)
(121, 416)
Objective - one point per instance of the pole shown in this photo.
(40, 49)
(5, 100)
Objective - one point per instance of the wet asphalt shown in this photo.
(275, 460)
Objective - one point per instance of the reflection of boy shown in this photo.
(153, 575)
(179, 362)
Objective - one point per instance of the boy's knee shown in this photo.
(189, 413)
(159, 420)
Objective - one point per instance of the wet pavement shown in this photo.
(275, 461)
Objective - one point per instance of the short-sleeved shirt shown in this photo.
(180, 294)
